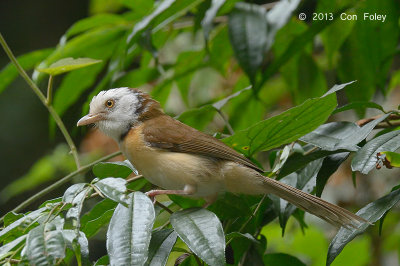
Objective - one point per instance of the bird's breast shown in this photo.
(171, 170)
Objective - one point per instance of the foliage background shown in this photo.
(344, 51)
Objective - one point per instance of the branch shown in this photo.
(42, 98)
(364, 121)
(60, 182)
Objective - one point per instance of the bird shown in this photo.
(184, 161)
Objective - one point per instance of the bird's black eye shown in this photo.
(110, 103)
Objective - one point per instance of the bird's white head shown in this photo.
(115, 111)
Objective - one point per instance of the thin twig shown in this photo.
(164, 207)
(43, 99)
(60, 182)
(231, 131)
(50, 90)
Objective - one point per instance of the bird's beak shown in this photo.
(90, 119)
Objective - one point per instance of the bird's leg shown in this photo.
(187, 190)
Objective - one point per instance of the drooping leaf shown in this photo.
(248, 34)
(76, 195)
(113, 188)
(304, 180)
(202, 231)
(341, 135)
(129, 233)
(366, 158)
(68, 64)
(275, 259)
(209, 17)
(161, 244)
(72, 192)
(11, 217)
(45, 245)
(285, 127)
(372, 213)
(27, 61)
(70, 236)
(113, 169)
(330, 164)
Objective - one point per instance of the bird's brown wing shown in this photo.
(166, 133)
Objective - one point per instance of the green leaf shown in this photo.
(335, 34)
(366, 159)
(99, 216)
(76, 195)
(68, 64)
(10, 246)
(165, 12)
(330, 164)
(276, 259)
(375, 55)
(304, 180)
(285, 127)
(21, 223)
(161, 244)
(51, 202)
(72, 192)
(372, 213)
(105, 260)
(248, 34)
(113, 169)
(392, 157)
(129, 233)
(297, 45)
(11, 217)
(357, 105)
(93, 22)
(341, 135)
(207, 21)
(230, 206)
(202, 231)
(27, 61)
(113, 188)
(99, 44)
(70, 236)
(278, 16)
(45, 245)
(241, 235)
(298, 161)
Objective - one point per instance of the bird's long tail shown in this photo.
(314, 205)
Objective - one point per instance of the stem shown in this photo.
(60, 182)
(230, 129)
(50, 90)
(164, 207)
(42, 98)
